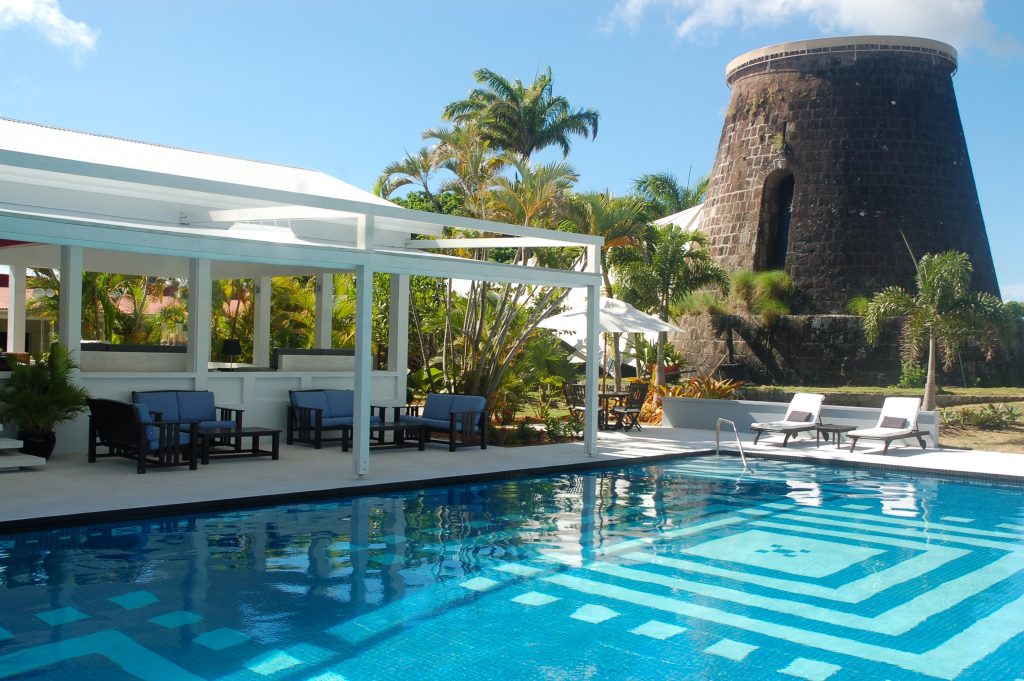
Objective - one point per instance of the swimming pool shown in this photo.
(689, 570)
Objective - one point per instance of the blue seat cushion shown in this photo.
(340, 402)
(434, 424)
(438, 406)
(338, 421)
(165, 402)
(215, 425)
(310, 399)
(196, 406)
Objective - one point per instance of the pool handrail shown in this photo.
(718, 431)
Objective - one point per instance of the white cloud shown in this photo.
(46, 17)
(961, 23)
(1013, 291)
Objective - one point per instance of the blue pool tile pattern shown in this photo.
(61, 616)
(694, 569)
(134, 600)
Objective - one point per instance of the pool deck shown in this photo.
(69, 489)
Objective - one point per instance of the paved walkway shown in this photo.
(69, 486)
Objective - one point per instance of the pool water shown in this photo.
(692, 569)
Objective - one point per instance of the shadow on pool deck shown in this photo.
(69, 489)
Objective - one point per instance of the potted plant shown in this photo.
(40, 395)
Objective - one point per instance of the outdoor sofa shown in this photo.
(192, 405)
(129, 430)
(313, 412)
(460, 417)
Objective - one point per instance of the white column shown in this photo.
(398, 328)
(261, 322)
(364, 232)
(69, 327)
(324, 309)
(16, 309)
(593, 350)
(200, 311)
(363, 388)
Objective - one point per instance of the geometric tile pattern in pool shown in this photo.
(688, 571)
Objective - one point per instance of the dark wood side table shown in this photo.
(833, 429)
(399, 428)
(234, 436)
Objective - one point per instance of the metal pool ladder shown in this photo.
(718, 437)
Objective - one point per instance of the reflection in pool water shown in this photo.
(689, 570)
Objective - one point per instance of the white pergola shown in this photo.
(80, 202)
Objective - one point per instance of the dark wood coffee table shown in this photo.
(233, 438)
(399, 428)
(835, 430)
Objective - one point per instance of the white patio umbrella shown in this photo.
(614, 316)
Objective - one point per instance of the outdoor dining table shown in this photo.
(606, 399)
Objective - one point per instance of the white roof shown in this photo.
(111, 195)
(32, 138)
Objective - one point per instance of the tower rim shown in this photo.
(857, 43)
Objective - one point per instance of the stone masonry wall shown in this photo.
(876, 149)
(823, 350)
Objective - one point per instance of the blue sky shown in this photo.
(346, 87)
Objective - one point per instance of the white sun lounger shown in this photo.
(802, 415)
(898, 421)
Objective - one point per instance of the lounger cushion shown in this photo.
(892, 422)
(310, 399)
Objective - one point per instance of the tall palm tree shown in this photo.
(676, 262)
(662, 194)
(522, 119)
(416, 169)
(944, 314)
(620, 222)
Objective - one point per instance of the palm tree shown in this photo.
(676, 262)
(662, 194)
(944, 314)
(620, 222)
(416, 169)
(522, 119)
(474, 165)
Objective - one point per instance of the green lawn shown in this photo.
(891, 390)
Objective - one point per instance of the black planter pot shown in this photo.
(37, 445)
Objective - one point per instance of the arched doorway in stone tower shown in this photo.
(773, 226)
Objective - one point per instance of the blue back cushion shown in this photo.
(438, 406)
(340, 402)
(196, 405)
(164, 401)
(310, 399)
(468, 403)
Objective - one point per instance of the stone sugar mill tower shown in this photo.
(832, 149)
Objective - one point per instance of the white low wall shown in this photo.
(262, 394)
(134, 361)
(687, 412)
